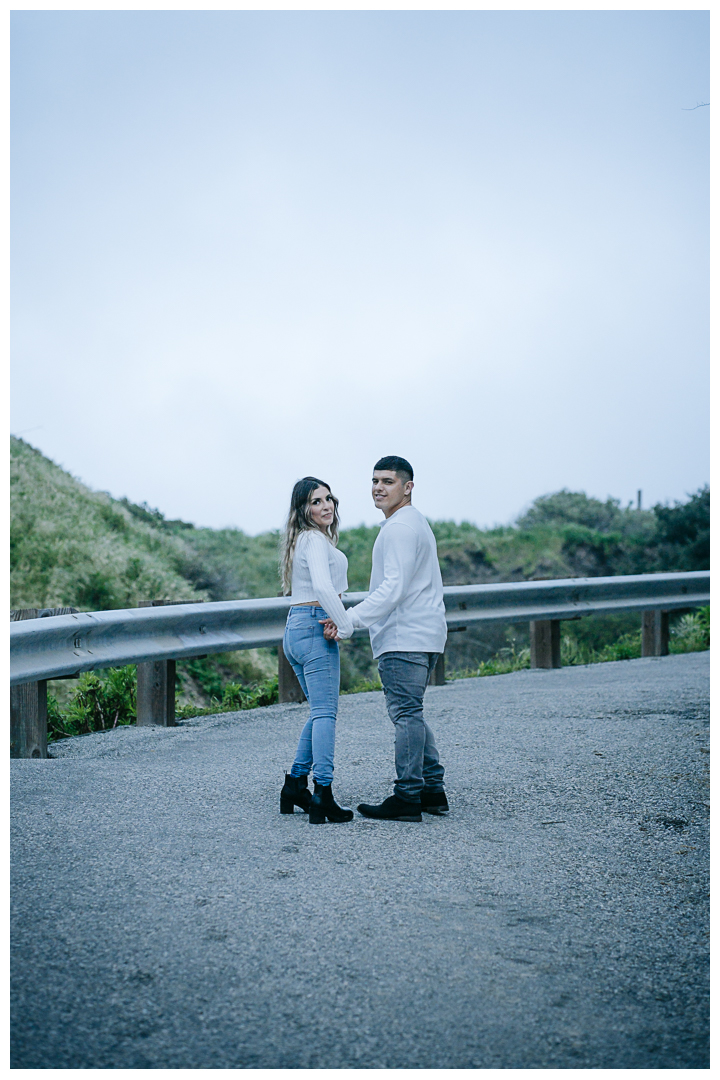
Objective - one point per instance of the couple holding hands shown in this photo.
(405, 616)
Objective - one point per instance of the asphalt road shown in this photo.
(166, 916)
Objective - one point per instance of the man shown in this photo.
(405, 615)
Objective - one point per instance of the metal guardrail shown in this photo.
(60, 645)
(570, 598)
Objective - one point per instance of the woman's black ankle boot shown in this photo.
(295, 793)
(323, 807)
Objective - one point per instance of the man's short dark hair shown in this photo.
(399, 465)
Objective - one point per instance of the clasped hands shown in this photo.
(330, 630)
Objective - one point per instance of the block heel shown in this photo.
(294, 793)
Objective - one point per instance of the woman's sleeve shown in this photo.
(317, 552)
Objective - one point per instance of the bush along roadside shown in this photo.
(101, 701)
(107, 699)
(234, 698)
(691, 633)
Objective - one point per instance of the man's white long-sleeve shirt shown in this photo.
(404, 611)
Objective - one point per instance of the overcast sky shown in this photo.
(251, 246)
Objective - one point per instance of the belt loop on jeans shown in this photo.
(312, 609)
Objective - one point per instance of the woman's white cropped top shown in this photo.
(319, 573)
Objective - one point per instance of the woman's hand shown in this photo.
(330, 630)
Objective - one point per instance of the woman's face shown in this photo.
(322, 508)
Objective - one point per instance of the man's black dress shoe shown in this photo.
(393, 809)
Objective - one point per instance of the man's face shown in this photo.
(389, 491)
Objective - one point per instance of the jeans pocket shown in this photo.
(300, 640)
(402, 676)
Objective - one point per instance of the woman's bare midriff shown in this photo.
(314, 603)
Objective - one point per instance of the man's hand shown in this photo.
(330, 630)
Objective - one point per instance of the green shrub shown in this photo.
(106, 699)
(504, 661)
(55, 720)
(362, 686)
(101, 701)
(627, 647)
(683, 533)
(235, 697)
(205, 673)
(691, 633)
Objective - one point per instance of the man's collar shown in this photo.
(399, 510)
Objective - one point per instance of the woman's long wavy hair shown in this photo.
(299, 518)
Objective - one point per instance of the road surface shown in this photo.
(166, 916)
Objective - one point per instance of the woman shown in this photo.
(314, 572)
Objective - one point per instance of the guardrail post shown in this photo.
(545, 643)
(28, 702)
(156, 683)
(655, 633)
(156, 693)
(289, 688)
(28, 720)
(437, 675)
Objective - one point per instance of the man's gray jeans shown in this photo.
(405, 676)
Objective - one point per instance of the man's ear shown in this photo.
(408, 487)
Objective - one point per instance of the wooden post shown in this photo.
(156, 683)
(28, 720)
(545, 643)
(289, 688)
(437, 675)
(655, 633)
(28, 702)
(156, 693)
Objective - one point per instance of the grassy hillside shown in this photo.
(71, 546)
(74, 547)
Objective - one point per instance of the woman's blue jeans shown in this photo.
(316, 662)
